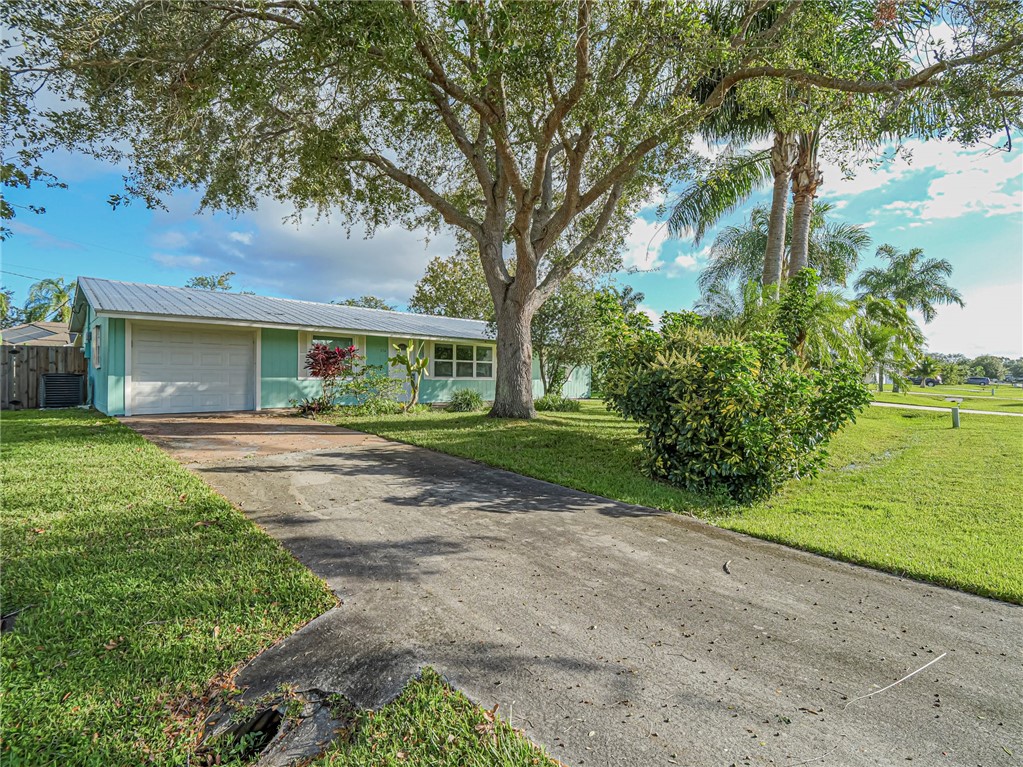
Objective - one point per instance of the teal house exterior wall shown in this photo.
(280, 384)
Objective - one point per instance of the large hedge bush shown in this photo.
(730, 414)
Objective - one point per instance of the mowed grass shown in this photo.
(137, 584)
(1006, 398)
(902, 490)
(431, 725)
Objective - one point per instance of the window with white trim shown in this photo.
(306, 341)
(463, 361)
(96, 346)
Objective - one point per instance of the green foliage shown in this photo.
(992, 367)
(414, 364)
(618, 319)
(557, 404)
(910, 279)
(211, 281)
(453, 287)
(732, 415)
(366, 302)
(466, 401)
(10, 314)
(50, 299)
(566, 333)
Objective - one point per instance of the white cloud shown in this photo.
(41, 238)
(644, 244)
(245, 238)
(170, 239)
(965, 180)
(689, 262)
(179, 261)
(655, 318)
(991, 323)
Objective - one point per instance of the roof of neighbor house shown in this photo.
(39, 334)
(162, 302)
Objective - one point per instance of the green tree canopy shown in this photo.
(917, 282)
(366, 302)
(50, 299)
(453, 287)
(211, 281)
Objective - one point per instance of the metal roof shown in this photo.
(39, 334)
(163, 302)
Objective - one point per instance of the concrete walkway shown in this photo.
(946, 409)
(616, 635)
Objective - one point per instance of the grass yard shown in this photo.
(138, 585)
(429, 724)
(1006, 398)
(902, 491)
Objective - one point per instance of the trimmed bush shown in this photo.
(730, 415)
(466, 401)
(554, 403)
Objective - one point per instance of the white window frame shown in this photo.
(454, 362)
(96, 346)
(305, 340)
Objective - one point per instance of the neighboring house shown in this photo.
(38, 334)
(156, 349)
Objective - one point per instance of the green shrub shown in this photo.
(553, 402)
(725, 414)
(466, 401)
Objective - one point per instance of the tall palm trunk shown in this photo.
(806, 177)
(783, 158)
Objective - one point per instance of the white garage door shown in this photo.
(184, 369)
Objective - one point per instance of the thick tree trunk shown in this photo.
(514, 395)
(880, 377)
(806, 177)
(783, 156)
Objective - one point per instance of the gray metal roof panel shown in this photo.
(113, 297)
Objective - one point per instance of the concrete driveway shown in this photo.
(616, 635)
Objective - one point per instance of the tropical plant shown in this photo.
(534, 128)
(737, 254)
(332, 365)
(891, 340)
(728, 415)
(410, 359)
(10, 314)
(466, 401)
(914, 281)
(50, 299)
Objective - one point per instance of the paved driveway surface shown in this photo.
(613, 634)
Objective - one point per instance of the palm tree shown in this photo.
(737, 252)
(891, 341)
(806, 177)
(910, 279)
(50, 298)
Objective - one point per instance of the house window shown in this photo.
(306, 341)
(96, 346)
(463, 361)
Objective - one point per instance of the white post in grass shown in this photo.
(955, 416)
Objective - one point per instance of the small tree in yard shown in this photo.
(332, 365)
(534, 128)
(414, 364)
(566, 334)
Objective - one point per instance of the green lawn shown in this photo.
(902, 490)
(1006, 398)
(138, 584)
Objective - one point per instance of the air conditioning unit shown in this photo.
(61, 389)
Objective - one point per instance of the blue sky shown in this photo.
(965, 205)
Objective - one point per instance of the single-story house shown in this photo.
(157, 349)
(38, 334)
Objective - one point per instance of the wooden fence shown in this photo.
(21, 368)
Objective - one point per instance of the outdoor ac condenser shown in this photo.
(61, 389)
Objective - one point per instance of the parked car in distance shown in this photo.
(979, 380)
(920, 381)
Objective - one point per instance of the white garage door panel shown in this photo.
(181, 370)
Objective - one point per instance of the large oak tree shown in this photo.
(534, 128)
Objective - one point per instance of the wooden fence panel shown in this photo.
(21, 368)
